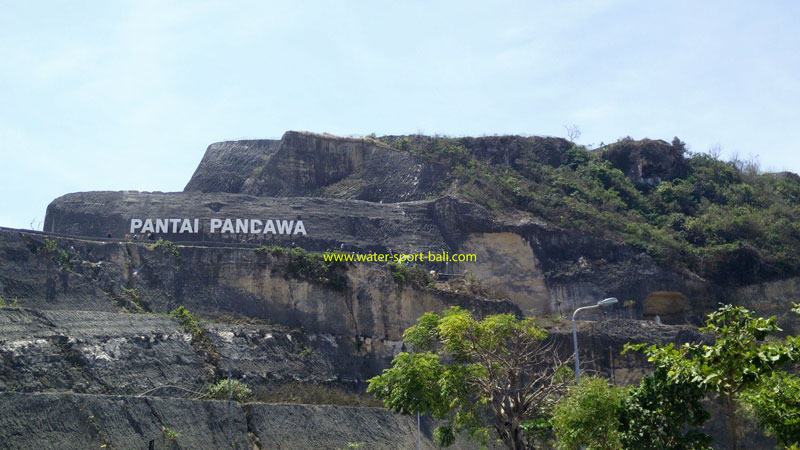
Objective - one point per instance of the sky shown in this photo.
(128, 95)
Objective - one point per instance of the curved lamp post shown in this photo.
(605, 302)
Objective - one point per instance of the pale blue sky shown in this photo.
(116, 95)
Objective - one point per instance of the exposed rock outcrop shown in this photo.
(226, 165)
(647, 161)
(95, 352)
(70, 421)
(214, 281)
(563, 270)
(311, 165)
(407, 227)
(86, 327)
(304, 164)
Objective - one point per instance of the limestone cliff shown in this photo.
(544, 269)
(227, 165)
(311, 165)
(85, 330)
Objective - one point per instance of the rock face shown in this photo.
(70, 421)
(95, 352)
(214, 281)
(506, 262)
(408, 227)
(85, 329)
(669, 305)
(580, 269)
(105, 360)
(87, 323)
(304, 164)
(226, 165)
(647, 161)
(74, 332)
(543, 269)
(311, 165)
(771, 298)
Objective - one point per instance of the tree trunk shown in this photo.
(519, 442)
(732, 426)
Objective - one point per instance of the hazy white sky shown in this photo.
(116, 95)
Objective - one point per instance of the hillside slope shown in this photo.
(87, 337)
(712, 217)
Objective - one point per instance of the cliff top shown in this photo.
(722, 220)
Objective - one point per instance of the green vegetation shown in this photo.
(776, 406)
(93, 424)
(305, 352)
(312, 394)
(271, 250)
(469, 370)
(134, 300)
(219, 391)
(662, 413)
(415, 276)
(14, 303)
(170, 434)
(309, 266)
(587, 416)
(200, 340)
(597, 415)
(739, 360)
(50, 248)
(189, 323)
(168, 248)
(722, 220)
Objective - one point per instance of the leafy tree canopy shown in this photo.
(775, 404)
(587, 417)
(738, 360)
(500, 367)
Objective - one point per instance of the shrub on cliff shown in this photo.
(416, 276)
(308, 266)
(167, 247)
(239, 391)
(189, 323)
(50, 248)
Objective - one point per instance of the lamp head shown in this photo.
(607, 302)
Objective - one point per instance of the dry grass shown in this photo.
(313, 394)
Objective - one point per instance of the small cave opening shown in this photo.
(669, 306)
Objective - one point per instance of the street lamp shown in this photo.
(605, 302)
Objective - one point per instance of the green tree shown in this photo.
(587, 417)
(656, 414)
(776, 406)
(663, 414)
(737, 361)
(500, 367)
